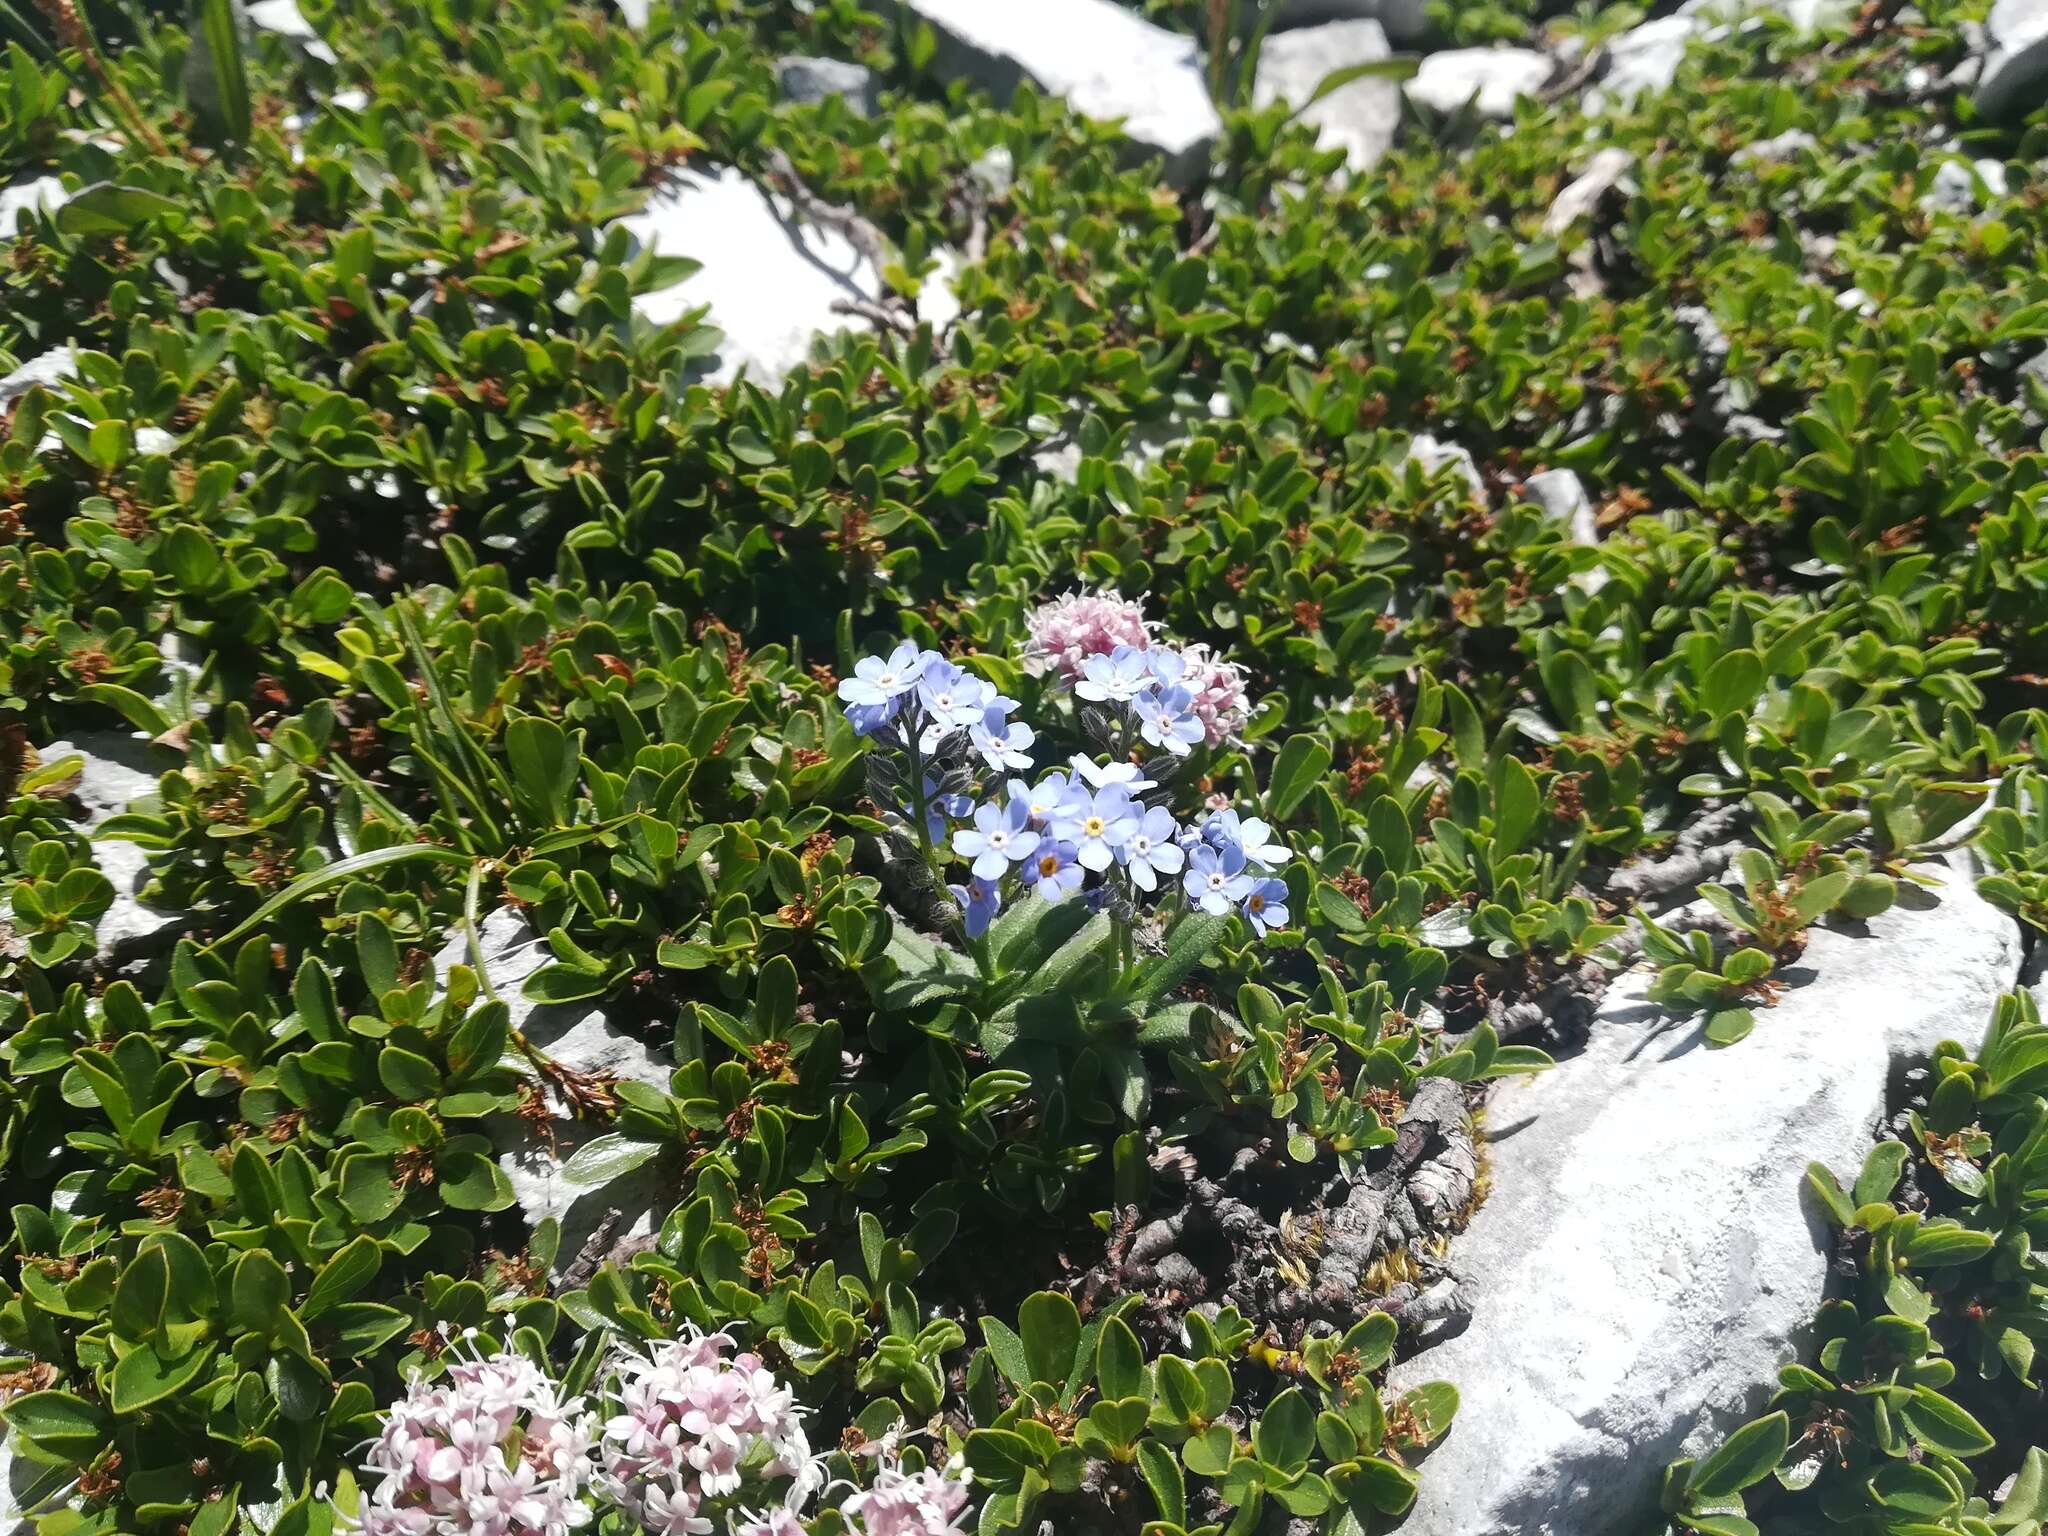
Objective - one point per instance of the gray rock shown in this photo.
(807, 80)
(2014, 81)
(118, 769)
(577, 1035)
(49, 370)
(23, 197)
(769, 278)
(1779, 147)
(1106, 61)
(1646, 1260)
(1362, 117)
(1491, 79)
(1644, 58)
(1607, 169)
(284, 18)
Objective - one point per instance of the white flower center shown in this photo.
(1141, 845)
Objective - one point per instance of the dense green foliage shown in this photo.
(481, 597)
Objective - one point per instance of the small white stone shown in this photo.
(1491, 79)
(1781, 146)
(49, 370)
(1433, 455)
(1608, 168)
(579, 1036)
(804, 79)
(1106, 61)
(770, 279)
(1360, 118)
(23, 197)
(117, 769)
(284, 18)
(1644, 58)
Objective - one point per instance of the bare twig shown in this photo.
(1695, 856)
(883, 315)
(859, 233)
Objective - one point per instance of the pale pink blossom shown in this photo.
(1065, 632)
(1217, 686)
(928, 1502)
(492, 1449)
(690, 1427)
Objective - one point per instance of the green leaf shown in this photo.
(1119, 1361)
(1161, 1471)
(1302, 761)
(350, 1269)
(1050, 1325)
(259, 1292)
(604, 1158)
(407, 1076)
(1880, 1176)
(105, 209)
(143, 1377)
(1747, 1456)
(60, 1423)
(329, 875)
(545, 764)
(1732, 683)
(216, 81)
(1286, 1432)
(1945, 1426)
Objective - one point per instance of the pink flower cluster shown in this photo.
(928, 1502)
(1218, 688)
(491, 1450)
(494, 1449)
(922, 1503)
(690, 1427)
(1065, 632)
(1068, 630)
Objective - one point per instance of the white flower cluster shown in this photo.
(694, 1436)
(491, 1450)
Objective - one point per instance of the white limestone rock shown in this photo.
(49, 370)
(1491, 79)
(1646, 1259)
(117, 769)
(1360, 118)
(2014, 80)
(769, 278)
(1106, 61)
(45, 193)
(805, 79)
(1961, 187)
(1644, 58)
(1433, 454)
(284, 18)
(1607, 169)
(1777, 148)
(577, 1035)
